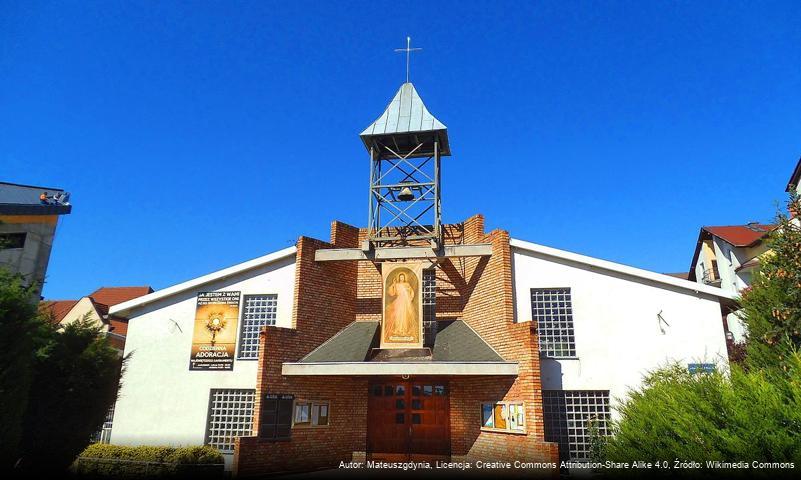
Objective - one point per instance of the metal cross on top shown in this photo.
(408, 51)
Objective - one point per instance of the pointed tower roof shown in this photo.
(407, 122)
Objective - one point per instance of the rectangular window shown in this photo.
(12, 240)
(230, 416)
(276, 417)
(503, 416)
(310, 414)
(104, 434)
(552, 309)
(570, 416)
(258, 311)
(429, 306)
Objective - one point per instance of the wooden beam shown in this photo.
(402, 253)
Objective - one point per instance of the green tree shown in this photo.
(771, 307)
(76, 375)
(22, 331)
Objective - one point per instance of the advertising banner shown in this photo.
(214, 336)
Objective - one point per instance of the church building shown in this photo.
(405, 339)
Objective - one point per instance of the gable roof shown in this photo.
(57, 308)
(795, 177)
(111, 296)
(122, 309)
(635, 273)
(741, 235)
(746, 235)
(454, 341)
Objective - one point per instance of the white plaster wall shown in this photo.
(161, 402)
(618, 335)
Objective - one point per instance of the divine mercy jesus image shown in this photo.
(401, 307)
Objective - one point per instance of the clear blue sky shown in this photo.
(196, 135)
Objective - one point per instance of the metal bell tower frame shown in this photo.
(406, 145)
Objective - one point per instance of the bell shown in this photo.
(405, 194)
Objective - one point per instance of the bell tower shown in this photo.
(406, 144)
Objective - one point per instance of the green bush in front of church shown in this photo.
(738, 417)
(99, 460)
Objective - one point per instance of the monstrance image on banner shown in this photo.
(402, 323)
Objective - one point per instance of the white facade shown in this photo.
(162, 402)
(626, 321)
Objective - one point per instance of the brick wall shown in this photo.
(330, 295)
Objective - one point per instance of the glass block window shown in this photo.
(429, 306)
(552, 309)
(429, 295)
(571, 415)
(257, 311)
(230, 416)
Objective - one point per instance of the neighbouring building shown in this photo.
(95, 307)
(729, 256)
(409, 338)
(29, 216)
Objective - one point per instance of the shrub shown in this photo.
(100, 460)
(744, 416)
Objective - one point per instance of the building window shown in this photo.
(429, 306)
(104, 434)
(276, 417)
(12, 240)
(570, 416)
(258, 311)
(310, 414)
(503, 416)
(230, 416)
(552, 309)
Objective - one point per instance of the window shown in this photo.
(429, 295)
(12, 240)
(570, 417)
(552, 309)
(230, 416)
(104, 434)
(258, 311)
(429, 306)
(503, 416)
(276, 417)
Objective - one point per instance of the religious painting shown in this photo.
(402, 325)
(214, 336)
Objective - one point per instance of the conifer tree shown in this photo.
(771, 307)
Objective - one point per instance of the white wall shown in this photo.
(161, 402)
(618, 335)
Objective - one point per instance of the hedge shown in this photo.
(102, 460)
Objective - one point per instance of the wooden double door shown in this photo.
(408, 419)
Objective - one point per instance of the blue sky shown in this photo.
(195, 135)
